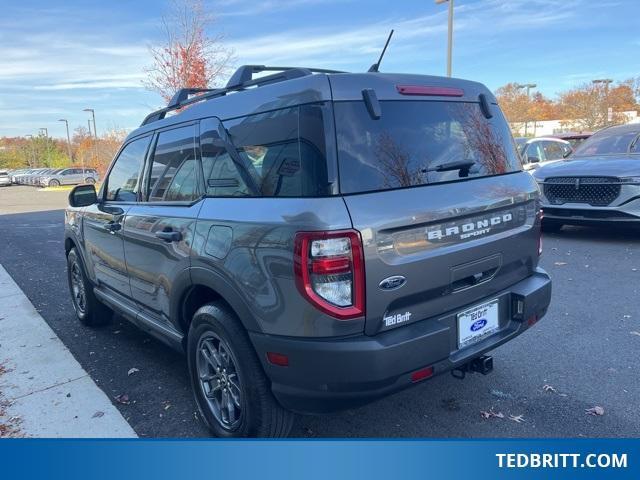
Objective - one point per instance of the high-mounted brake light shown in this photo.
(329, 271)
(427, 90)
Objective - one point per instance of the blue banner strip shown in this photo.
(319, 459)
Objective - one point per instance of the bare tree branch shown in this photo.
(190, 57)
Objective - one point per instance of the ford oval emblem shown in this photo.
(391, 283)
(478, 324)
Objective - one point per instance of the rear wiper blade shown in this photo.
(457, 165)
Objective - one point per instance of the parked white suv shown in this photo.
(537, 152)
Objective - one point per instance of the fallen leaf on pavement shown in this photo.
(132, 371)
(549, 388)
(635, 333)
(516, 418)
(98, 415)
(596, 411)
(560, 263)
(491, 414)
(123, 399)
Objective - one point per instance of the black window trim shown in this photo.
(102, 194)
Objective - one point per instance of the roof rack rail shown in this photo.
(240, 80)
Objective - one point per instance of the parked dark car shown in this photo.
(599, 182)
(574, 138)
(314, 240)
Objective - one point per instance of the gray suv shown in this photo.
(69, 176)
(314, 240)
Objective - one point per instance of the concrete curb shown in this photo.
(44, 392)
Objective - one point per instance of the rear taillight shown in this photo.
(329, 270)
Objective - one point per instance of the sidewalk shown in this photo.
(44, 392)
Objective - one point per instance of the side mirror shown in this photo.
(83, 196)
(532, 159)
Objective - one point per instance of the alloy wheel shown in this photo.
(219, 380)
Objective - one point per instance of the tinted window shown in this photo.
(173, 171)
(418, 143)
(553, 150)
(277, 154)
(225, 175)
(533, 150)
(123, 181)
(608, 142)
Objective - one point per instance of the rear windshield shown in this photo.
(419, 143)
(608, 143)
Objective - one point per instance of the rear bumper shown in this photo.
(325, 375)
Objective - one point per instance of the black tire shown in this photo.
(88, 308)
(551, 226)
(259, 414)
(54, 183)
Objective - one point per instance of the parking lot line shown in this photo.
(44, 392)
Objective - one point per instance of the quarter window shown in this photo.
(123, 182)
(173, 174)
(282, 153)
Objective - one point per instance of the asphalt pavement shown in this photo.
(584, 353)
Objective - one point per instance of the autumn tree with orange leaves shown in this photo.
(190, 57)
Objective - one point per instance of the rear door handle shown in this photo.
(169, 236)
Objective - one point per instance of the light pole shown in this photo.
(33, 151)
(93, 115)
(528, 86)
(46, 138)
(68, 139)
(95, 134)
(449, 34)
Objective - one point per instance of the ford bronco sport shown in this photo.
(314, 240)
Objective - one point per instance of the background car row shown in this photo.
(53, 177)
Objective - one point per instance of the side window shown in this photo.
(122, 184)
(534, 150)
(224, 176)
(553, 150)
(174, 175)
(284, 151)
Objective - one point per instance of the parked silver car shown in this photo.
(5, 180)
(69, 176)
(599, 182)
(540, 151)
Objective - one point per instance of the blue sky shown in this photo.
(57, 58)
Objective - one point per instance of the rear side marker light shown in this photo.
(422, 374)
(278, 359)
(429, 91)
(532, 320)
(329, 272)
